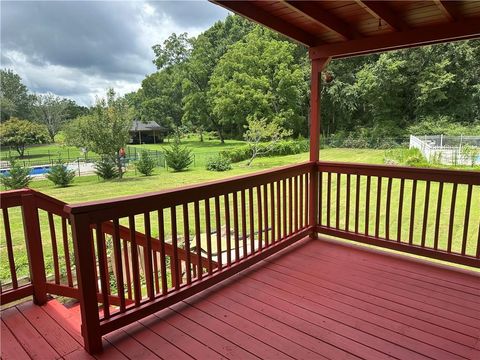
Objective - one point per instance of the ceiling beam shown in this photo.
(448, 8)
(315, 12)
(381, 10)
(460, 30)
(255, 13)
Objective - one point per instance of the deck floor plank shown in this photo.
(321, 300)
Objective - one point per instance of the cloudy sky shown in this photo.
(77, 49)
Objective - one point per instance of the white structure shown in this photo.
(447, 150)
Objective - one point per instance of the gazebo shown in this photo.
(314, 260)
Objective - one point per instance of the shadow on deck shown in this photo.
(317, 300)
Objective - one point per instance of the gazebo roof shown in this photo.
(336, 29)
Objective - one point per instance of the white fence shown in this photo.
(448, 150)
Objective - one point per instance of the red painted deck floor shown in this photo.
(319, 300)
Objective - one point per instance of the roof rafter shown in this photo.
(319, 15)
(257, 14)
(381, 10)
(448, 8)
(466, 29)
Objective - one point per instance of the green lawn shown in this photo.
(87, 188)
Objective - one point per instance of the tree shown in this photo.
(21, 133)
(178, 157)
(18, 176)
(15, 101)
(106, 130)
(262, 135)
(51, 110)
(259, 76)
(146, 164)
(175, 50)
(60, 175)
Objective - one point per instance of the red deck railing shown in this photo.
(139, 254)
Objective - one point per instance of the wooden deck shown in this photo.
(320, 300)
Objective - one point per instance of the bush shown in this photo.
(106, 169)
(18, 176)
(219, 163)
(146, 164)
(60, 175)
(178, 157)
(285, 147)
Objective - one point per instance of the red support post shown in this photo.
(315, 86)
(31, 225)
(83, 242)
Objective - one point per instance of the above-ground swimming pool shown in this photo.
(37, 170)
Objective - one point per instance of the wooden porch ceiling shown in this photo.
(336, 29)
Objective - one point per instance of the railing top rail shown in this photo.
(12, 198)
(131, 205)
(389, 171)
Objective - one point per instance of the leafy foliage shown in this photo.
(60, 175)
(15, 101)
(106, 130)
(106, 168)
(178, 157)
(219, 163)
(146, 164)
(51, 111)
(259, 132)
(18, 176)
(21, 133)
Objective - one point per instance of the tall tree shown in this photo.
(15, 101)
(51, 110)
(19, 134)
(106, 130)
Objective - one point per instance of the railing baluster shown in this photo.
(357, 203)
(400, 210)
(147, 256)
(53, 238)
(226, 202)
(8, 239)
(301, 222)
(265, 212)
(186, 237)
(174, 261)
(379, 204)
(295, 203)
(467, 220)
(367, 204)
(198, 239)
(284, 200)
(137, 290)
(252, 221)
(218, 228)
(439, 212)
(290, 206)
(259, 217)
(320, 197)
(425, 213)
(272, 210)
(163, 256)
(155, 272)
(329, 199)
(337, 210)
(104, 282)
(66, 251)
(452, 218)
(347, 204)
(117, 254)
(208, 229)
(279, 212)
(244, 222)
(306, 208)
(127, 269)
(387, 209)
(478, 241)
(236, 232)
(412, 212)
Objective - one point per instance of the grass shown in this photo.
(88, 188)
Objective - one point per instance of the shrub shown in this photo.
(18, 176)
(219, 163)
(60, 175)
(106, 169)
(146, 164)
(178, 157)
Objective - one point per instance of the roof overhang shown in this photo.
(338, 29)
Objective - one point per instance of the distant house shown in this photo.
(146, 132)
